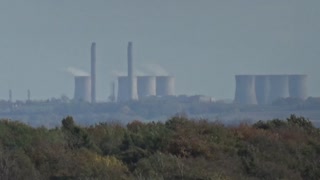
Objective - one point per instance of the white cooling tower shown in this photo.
(82, 90)
(245, 89)
(165, 86)
(298, 86)
(146, 86)
(124, 92)
(279, 87)
(262, 88)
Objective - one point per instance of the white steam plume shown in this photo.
(77, 72)
(155, 69)
(117, 73)
(138, 72)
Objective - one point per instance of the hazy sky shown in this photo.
(203, 43)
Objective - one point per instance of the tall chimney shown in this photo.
(129, 53)
(93, 72)
(130, 71)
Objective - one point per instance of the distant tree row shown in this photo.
(179, 148)
(49, 113)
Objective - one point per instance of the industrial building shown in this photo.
(245, 89)
(262, 87)
(165, 86)
(127, 90)
(265, 89)
(146, 86)
(82, 91)
(279, 87)
(298, 86)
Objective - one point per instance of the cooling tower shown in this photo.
(298, 86)
(82, 90)
(146, 86)
(165, 86)
(124, 93)
(93, 72)
(245, 89)
(279, 87)
(262, 87)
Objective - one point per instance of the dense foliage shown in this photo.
(180, 148)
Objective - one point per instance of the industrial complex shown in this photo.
(250, 89)
(130, 87)
(153, 97)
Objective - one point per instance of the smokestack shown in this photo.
(132, 91)
(130, 70)
(129, 53)
(245, 89)
(93, 72)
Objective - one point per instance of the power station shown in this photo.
(250, 89)
(265, 89)
(133, 87)
(130, 87)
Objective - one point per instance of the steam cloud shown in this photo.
(155, 69)
(77, 72)
(143, 70)
(137, 72)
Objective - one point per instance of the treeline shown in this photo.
(180, 148)
(49, 113)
